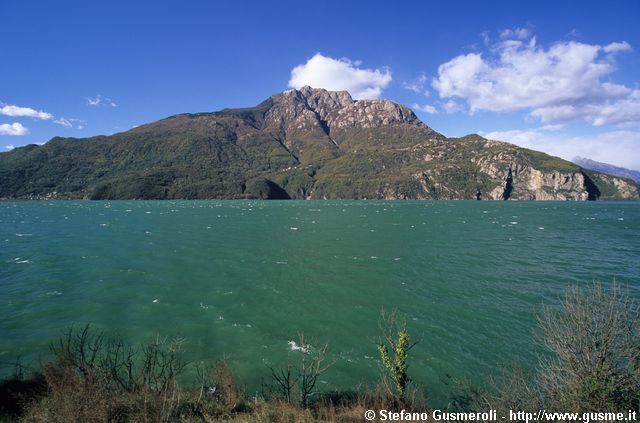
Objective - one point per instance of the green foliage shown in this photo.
(397, 365)
(394, 353)
(298, 182)
(606, 186)
(264, 189)
(545, 162)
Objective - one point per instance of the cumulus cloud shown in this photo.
(618, 147)
(100, 101)
(561, 83)
(623, 111)
(17, 111)
(9, 146)
(340, 74)
(15, 129)
(427, 108)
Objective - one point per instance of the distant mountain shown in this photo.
(302, 144)
(607, 168)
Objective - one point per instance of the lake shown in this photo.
(244, 278)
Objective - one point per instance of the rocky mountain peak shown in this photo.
(307, 103)
(308, 107)
(372, 113)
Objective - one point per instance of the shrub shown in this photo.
(395, 338)
(19, 390)
(595, 345)
(301, 377)
(95, 378)
(591, 364)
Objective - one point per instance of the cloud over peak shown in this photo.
(557, 84)
(340, 74)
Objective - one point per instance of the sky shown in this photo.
(561, 77)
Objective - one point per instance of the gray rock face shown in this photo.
(372, 114)
(522, 180)
(309, 108)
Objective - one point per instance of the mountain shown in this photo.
(607, 168)
(302, 144)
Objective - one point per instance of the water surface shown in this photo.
(243, 278)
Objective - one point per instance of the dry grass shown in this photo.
(93, 378)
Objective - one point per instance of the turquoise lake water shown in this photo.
(243, 278)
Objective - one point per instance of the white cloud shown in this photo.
(340, 74)
(556, 85)
(485, 38)
(427, 108)
(71, 123)
(9, 146)
(15, 129)
(616, 47)
(556, 127)
(417, 86)
(519, 33)
(100, 101)
(451, 107)
(624, 112)
(574, 33)
(615, 147)
(17, 111)
(64, 122)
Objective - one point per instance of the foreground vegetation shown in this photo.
(592, 365)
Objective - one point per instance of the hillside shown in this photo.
(300, 144)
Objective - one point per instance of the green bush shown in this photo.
(394, 353)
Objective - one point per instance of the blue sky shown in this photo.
(561, 77)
